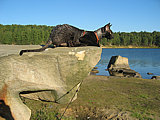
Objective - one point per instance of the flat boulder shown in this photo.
(119, 66)
(44, 76)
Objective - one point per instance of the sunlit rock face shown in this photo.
(42, 76)
(119, 66)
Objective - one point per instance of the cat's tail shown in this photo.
(36, 50)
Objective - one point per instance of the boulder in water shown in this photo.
(119, 66)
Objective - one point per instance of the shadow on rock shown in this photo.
(5, 111)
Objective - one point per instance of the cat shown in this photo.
(69, 36)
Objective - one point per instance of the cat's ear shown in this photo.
(107, 27)
(109, 24)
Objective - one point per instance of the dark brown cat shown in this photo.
(70, 36)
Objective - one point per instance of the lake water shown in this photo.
(141, 60)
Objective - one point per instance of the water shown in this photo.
(140, 60)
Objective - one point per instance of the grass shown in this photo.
(102, 97)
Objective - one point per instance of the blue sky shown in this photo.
(124, 15)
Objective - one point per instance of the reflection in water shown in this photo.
(140, 60)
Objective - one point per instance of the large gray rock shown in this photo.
(43, 76)
(117, 62)
(119, 66)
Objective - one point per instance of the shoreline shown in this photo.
(114, 46)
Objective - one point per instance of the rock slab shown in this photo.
(119, 66)
(43, 76)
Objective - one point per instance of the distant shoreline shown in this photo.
(129, 46)
(111, 46)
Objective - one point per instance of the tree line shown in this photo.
(24, 34)
(39, 34)
(150, 39)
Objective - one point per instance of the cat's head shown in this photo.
(107, 32)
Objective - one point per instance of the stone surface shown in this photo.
(42, 76)
(119, 66)
(117, 62)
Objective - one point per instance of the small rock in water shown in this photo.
(150, 73)
(106, 69)
(95, 68)
(95, 71)
(156, 77)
